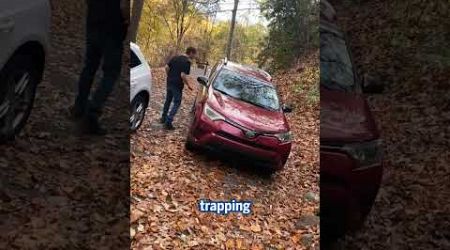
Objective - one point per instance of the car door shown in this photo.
(202, 93)
(137, 73)
(20, 21)
(7, 24)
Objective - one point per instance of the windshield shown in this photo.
(336, 71)
(247, 89)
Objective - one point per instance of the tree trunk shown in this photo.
(233, 24)
(135, 18)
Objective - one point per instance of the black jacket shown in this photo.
(105, 17)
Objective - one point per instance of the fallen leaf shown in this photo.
(255, 228)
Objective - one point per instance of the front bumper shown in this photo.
(346, 195)
(226, 139)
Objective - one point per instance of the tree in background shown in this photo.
(162, 32)
(136, 12)
(246, 42)
(179, 15)
(165, 24)
(293, 31)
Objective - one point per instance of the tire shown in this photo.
(339, 216)
(190, 145)
(18, 81)
(268, 171)
(137, 110)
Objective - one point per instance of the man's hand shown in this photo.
(167, 68)
(189, 83)
(187, 80)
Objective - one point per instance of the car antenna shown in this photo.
(225, 61)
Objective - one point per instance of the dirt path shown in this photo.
(167, 181)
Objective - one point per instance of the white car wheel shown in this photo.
(138, 107)
(18, 79)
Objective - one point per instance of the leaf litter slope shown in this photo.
(167, 181)
(55, 187)
(404, 42)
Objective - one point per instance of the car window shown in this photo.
(336, 69)
(134, 60)
(247, 89)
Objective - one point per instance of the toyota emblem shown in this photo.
(250, 134)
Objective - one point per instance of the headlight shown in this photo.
(284, 137)
(212, 114)
(368, 154)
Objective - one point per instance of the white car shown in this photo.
(24, 39)
(141, 82)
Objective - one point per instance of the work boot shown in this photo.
(90, 126)
(75, 114)
(169, 126)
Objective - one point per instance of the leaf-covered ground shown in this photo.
(405, 43)
(58, 190)
(167, 181)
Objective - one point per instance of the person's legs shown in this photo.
(112, 64)
(169, 97)
(177, 96)
(92, 61)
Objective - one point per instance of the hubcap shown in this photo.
(137, 115)
(15, 102)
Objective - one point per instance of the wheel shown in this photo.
(340, 213)
(189, 145)
(18, 81)
(138, 108)
(268, 171)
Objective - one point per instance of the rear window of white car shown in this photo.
(134, 60)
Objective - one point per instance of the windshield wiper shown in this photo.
(223, 92)
(256, 104)
(262, 106)
(244, 100)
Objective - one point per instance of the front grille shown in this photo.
(230, 153)
(243, 141)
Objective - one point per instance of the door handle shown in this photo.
(7, 26)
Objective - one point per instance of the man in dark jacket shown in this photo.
(106, 30)
(177, 71)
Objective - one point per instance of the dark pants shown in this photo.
(174, 94)
(98, 46)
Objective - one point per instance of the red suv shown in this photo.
(350, 146)
(237, 112)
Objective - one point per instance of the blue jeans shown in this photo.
(174, 94)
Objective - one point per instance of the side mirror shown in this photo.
(371, 84)
(287, 108)
(202, 80)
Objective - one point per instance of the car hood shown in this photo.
(345, 117)
(248, 115)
